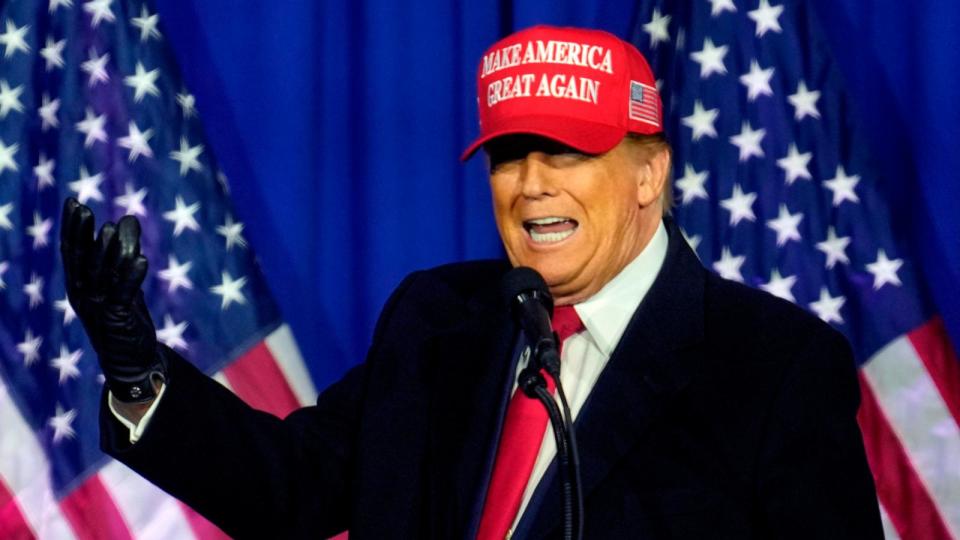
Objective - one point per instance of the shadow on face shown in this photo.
(509, 148)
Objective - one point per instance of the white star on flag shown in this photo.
(748, 141)
(740, 205)
(52, 53)
(795, 164)
(48, 112)
(13, 39)
(691, 185)
(701, 121)
(828, 307)
(54, 4)
(40, 230)
(96, 68)
(232, 233)
(43, 171)
(62, 424)
(171, 334)
(729, 265)
(187, 157)
(780, 286)
(182, 216)
(137, 142)
(187, 104)
(68, 313)
(843, 187)
(10, 99)
(7, 153)
(229, 290)
(30, 348)
(175, 274)
(34, 290)
(710, 59)
(143, 82)
(834, 248)
(657, 28)
(5, 210)
(67, 363)
(884, 270)
(92, 128)
(719, 6)
(87, 186)
(766, 17)
(786, 225)
(132, 201)
(4, 266)
(757, 81)
(100, 11)
(804, 102)
(147, 24)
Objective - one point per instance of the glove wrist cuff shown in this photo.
(137, 391)
(141, 387)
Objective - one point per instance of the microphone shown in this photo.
(527, 296)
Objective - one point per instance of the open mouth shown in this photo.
(549, 230)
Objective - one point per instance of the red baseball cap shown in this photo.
(583, 88)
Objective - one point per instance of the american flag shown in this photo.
(775, 188)
(644, 105)
(91, 105)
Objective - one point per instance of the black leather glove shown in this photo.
(103, 278)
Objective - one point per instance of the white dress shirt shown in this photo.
(136, 430)
(583, 356)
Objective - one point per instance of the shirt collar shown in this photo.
(606, 314)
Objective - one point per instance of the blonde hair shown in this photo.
(649, 145)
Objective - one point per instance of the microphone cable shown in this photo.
(533, 384)
(551, 364)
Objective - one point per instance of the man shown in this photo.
(697, 415)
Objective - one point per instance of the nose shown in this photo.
(536, 180)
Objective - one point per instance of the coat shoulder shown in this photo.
(446, 294)
(458, 281)
(758, 320)
(469, 276)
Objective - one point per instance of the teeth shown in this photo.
(547, 220)
(547, 238)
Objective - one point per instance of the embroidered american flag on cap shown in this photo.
(644, 104)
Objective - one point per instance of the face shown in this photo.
(577, 219)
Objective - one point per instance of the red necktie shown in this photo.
(523, 431)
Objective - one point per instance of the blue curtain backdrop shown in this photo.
(339, 125)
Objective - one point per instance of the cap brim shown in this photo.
(587, 137)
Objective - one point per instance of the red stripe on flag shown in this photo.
(13, 526)
(92, 513)
(934, 349)
(257, 379)
(903, 495)
(202, 529)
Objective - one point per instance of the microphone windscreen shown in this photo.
(524, 280)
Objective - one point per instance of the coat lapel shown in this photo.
(652, 362)
(475, 361)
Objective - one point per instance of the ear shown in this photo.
(652, 177)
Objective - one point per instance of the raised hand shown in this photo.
(103, 278)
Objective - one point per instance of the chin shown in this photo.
(554, 274)
(558, 267)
